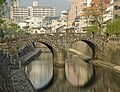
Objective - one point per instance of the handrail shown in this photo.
(114, 39)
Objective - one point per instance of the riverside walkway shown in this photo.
(103, 64)
(80, 54)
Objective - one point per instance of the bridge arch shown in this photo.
(47, 43)
(90, 42)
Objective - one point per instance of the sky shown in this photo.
(58, 4)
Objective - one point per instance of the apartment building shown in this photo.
(116, 5)
(75, 12)
(75, 8)
(20, 13)
(84, 20)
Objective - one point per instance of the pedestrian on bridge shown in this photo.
(93, 34)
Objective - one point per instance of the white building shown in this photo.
(34, 22)
(86, 22)
(20, 13)
(108, 13)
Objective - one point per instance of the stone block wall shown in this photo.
(7, 64)
(26, 49)
(110, 53)
(12, 76)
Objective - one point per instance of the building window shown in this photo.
(75, 10)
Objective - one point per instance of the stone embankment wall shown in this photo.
(25, 49)
(28, 53)
(7, 64)
(12, 75)
(110, 53)
(105, 79)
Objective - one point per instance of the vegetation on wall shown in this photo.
(95, 12)
(113, 27)
(8, 29)
(92, 29)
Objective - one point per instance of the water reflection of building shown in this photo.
(78, 72)
(41, 73)
(20, 13)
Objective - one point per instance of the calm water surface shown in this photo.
(76, 76)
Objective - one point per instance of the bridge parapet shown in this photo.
(116, 39)
(96, 40)
(64, 41)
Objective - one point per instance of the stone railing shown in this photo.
(116, 39)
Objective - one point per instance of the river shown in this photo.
(76, 76)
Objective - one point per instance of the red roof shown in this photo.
(107, 1)
(95, 1)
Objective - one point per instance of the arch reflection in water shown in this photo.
(83, 48)
(40, 73)
(78, 73)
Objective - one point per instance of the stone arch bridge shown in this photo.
(60, 43)
(13, 77)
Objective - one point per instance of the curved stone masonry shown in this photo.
(48, 41)
(7, 64)
(13, 77)
(27, 58)
(27, 53)
(28, 47)
(64, 42)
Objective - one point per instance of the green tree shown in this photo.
(1, 2)
(13, 29)
(95, 13)
(113, 27)
(1, 22)
(91, 29)
(1, 28)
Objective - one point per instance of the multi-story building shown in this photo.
(116, 5)
(74, 10)
(20, 13)
(108, 14)
(84, 21)
(77, 8)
